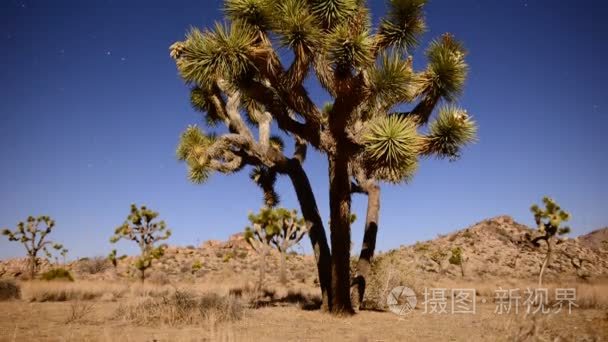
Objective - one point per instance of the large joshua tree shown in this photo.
(238, 79)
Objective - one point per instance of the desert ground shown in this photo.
(100, 320)
(212, 292)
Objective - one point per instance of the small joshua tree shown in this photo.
(438, 255)
(139, 228)
(64, 253)
(34, 239)
(457, 258)
(549, 230)
(274, 227)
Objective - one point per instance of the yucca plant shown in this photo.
(238, 80)
(549, 222)
(33, 235)
(140, 228)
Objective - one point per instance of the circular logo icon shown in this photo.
(401, 300)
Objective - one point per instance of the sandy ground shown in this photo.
(22, 321)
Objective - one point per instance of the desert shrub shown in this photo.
(228, 256)
(467, 234)
(182, 308)
(387, 272)
(421, 247)
(196, 266)
(78, 311)
(93, 266)
(57, 274)
(9, 290)
(158, 278)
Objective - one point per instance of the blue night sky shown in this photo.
(92, 108)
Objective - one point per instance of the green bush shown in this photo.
(197, 265)
(58, 274)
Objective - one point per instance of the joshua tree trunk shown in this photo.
(282, 271)
(142, 276)
(545, 263)
(262, 270)
(369, 245)
(33, 263)
(462, 268)
(339, 204)
(316, 232)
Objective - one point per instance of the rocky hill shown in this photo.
(493, 248)
(597, 239)
(498, 248)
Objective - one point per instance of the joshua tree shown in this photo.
(139, 228)
(34, 239)
(112, 258)
(279, 228)
(457, 258)
(548, 221)
(237, 79)
(64, 253)
(438, 255)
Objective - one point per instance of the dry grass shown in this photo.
(79, 311)
(39, 291)
(181, 308)
(180, 319)
(589, 295)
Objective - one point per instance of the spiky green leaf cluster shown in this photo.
(297, 26)
(333, 12)
(391, 81)
(392, 145)
(277, 142)
(265, 179)
(550, 218)
(200, 100)
(191, 149)
(221, 53)
(447, 69)
(349, 49)
(256, 13)
(403, 26)
(452, 130)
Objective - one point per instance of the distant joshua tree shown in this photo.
(274, 228)
(458, 258)
(34, 239)
(549, 230)
(64, 254)
(438, 255)
(139, 228)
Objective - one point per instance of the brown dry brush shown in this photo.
(182, 308)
